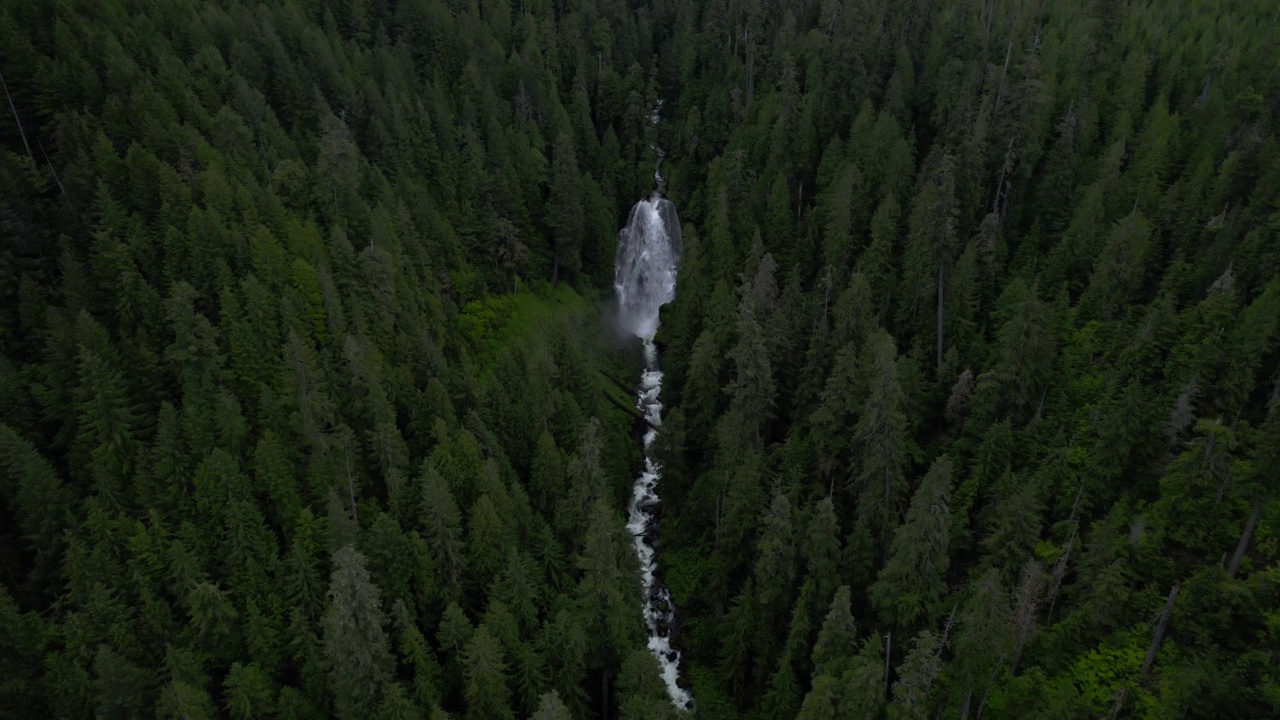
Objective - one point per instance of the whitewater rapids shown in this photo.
(646, 265)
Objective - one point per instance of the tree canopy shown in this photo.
(972, 380)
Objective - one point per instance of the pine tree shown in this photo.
(877, 262)
(354, 640)
(489, 540)
(913, 692)
(1024, 358)
(840, 401)
(913, 581)
(565, 211)
(274, 474)
(702, 387)
(42, 503)
(841, 217)
(823, 700)
(105, 416)
(441, 526)
(932, 243)
(412, 648)
(547, 475)
(249, 693)
(821, 547)
(607, 590)
(984, 637)
(1016, 528)
(775, 564)
(486, 682)
(881, 438)
(1118, 272)
(836, 640)
(26, 632)
(551, 708)
(863, 682)
(640, 688)
(753, 391)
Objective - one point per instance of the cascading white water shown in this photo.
(645, 266)
(645, 279)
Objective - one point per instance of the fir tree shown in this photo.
(355, 642)
(913, 581)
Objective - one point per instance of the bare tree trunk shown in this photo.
(17, 120)
(351, 483)
(1244, 539)
(1060, 567)
(1027, 610)
(1118, 705)
(1150, 660)
(968, 698)
(1059, 572)
(1008, 53)
(50, 164)
(888, 654)
(986, 692)
(1160, 628)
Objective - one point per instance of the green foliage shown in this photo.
(1100, 674)
(1020, 246)
(489, 323)
(283, 280)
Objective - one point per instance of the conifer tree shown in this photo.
(820, 547)
(354, 639)
(913, 580)
(486, 682)
(551, 708)
(913, 692)
(836, 640)
(775, 564)
(608, 587)
(441, 526)
(753, 390)
(565, 211)
(881, 438)
(304, 249)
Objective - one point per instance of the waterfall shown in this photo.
(645, 267)
(645, 279)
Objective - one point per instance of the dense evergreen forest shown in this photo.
(307, 408)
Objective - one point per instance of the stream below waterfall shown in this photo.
(647, 261)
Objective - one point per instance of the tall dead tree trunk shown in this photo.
(1150, 660)
(888, 655)
(17, 120)
(1158, 636)
(1245, 538)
